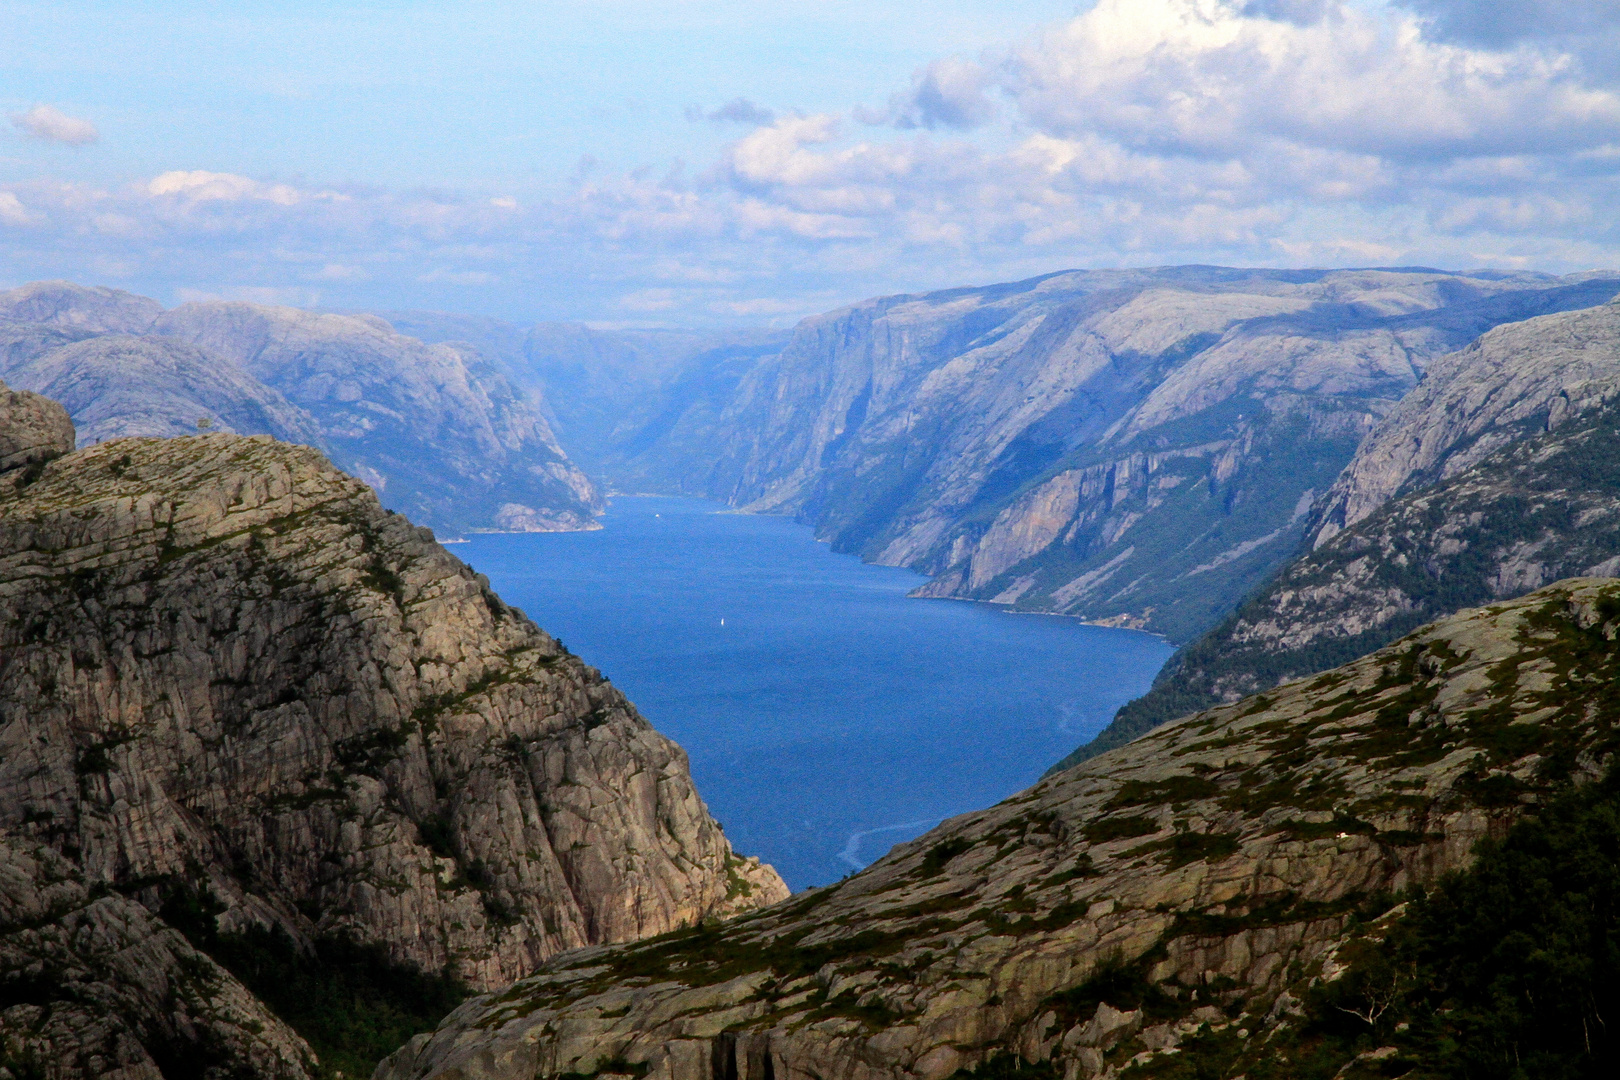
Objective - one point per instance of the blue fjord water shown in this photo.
(827, 716)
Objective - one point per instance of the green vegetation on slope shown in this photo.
(1553, 500)
(1507, 971)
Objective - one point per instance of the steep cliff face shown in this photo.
(1219, 860)
(228, 676)
(1498, 474)
(438, 430)
(1133, 447)
(1516, 380)
(95, 985)
(1544, 508)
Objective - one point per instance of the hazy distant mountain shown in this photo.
(613, 395)
(1134, 447)
(120, 384)
(439, 431)
(79, 307)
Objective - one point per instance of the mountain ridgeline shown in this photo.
(1499, 474)
(438, 430)
(1138, 448)
(258, 734)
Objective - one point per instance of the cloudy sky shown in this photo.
(702, 163)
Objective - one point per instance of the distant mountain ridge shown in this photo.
(1137, 447)
(439, 431)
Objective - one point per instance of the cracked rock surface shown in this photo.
(224, 666)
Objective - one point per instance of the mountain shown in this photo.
(438, 430)
(1509, 456)
(250, 720)
(1203, 901)
(66, 306)
(120, 384)
(1138, 448)
(379, 396)
(1514, 381)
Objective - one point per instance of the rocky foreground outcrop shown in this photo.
(231, 682)
(1215, 864)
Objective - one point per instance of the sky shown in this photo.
(628, 162)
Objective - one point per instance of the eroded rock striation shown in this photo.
(229, 676)
(1217, 864)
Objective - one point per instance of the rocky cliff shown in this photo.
(1199, 880)
(1517, 380)
(1133, 447)
(438, 430)
(232, 683)
(1545, 508)
(1510, 460)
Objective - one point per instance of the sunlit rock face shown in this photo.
(1498, 474)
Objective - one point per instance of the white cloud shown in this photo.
(12, 211)
(949, 93)
(201, 186)
(1322, 132)
(51, 124)
(1208, 76)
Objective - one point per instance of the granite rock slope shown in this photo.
(1519, 379)
(1132, 447)
(1220, 860)
(33, 430)
(227, 674)
(1544, 508)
